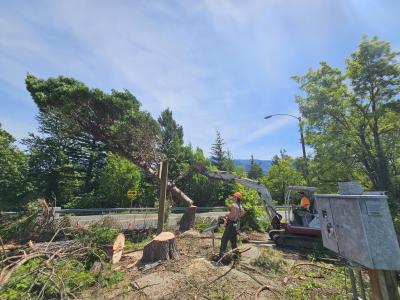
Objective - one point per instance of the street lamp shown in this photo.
(305, 170)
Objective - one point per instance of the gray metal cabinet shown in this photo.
(359, 228)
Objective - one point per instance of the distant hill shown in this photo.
(265, 164)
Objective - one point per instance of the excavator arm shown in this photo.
(270, 210)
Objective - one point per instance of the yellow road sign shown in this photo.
(131, 193)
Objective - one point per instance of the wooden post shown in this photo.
(163, 194)
(361, 284)
(383, 285)
(353, 283)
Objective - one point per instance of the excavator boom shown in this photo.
(272, 214)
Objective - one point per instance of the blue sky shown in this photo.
(217, 64)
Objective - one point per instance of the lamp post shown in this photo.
(305, 170)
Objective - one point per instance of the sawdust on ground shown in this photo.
(196, 276)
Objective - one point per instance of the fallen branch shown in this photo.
(237, 250)
(5, 275)
(252, 277)
(219, 277)
(265, 287)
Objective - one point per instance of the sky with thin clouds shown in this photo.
(218, 65)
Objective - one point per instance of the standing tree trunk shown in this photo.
(188, 219)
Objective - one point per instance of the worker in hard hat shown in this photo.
(232, 221)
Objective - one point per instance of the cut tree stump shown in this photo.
(162, 247)
(115, 250)
(188, 218)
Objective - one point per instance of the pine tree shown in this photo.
(172, 142)
(255, 171)
(218, 155)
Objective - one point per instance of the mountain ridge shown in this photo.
(265, 164)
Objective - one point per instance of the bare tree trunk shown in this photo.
(188, 218)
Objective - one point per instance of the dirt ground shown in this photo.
(264, 270)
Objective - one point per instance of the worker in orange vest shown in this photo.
(299, 211)
(304, 201)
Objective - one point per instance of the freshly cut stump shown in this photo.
(162, 247)
(188, 218)
(115, 250)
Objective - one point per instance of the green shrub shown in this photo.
(100, 233)
(255, 217)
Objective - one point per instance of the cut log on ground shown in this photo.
(162, 247)
(115, 250)
(188, 218)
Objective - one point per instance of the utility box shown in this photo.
(360, 229)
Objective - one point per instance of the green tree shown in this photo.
(220, 157)
(205, 191)
(281, 174)
(63, 164)
(115, 119)
(118, 176)
(15, 187)
(353, 116)
(255, 171)
(172, 143)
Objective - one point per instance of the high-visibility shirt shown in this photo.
(305, 202)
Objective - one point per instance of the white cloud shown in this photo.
(273, 126)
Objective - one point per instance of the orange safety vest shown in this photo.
(305, 202)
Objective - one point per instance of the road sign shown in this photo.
(131, 193)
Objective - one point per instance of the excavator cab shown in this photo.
(297, 216)
(301, 227)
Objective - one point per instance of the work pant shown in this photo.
(299, 215)
(230, 234)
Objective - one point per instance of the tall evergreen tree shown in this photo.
(219, 157)
(63, 163)
(172, 143)
(217, 152)
(255, 171)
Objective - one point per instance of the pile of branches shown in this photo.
(57, 269)
(34, 222)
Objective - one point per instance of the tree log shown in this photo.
(188, 218)
(115, 250)
(162, 247)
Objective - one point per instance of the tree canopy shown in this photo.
(353, 115)
(15, 187)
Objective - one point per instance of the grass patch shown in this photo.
(132, 246)
(270, 260)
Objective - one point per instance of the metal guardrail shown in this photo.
(131, 209)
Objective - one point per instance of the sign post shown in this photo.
(163, 193)
(131, 194)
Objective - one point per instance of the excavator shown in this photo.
(302, 233)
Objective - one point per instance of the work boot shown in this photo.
(216, 257)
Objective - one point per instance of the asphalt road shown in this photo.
(138, 220)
